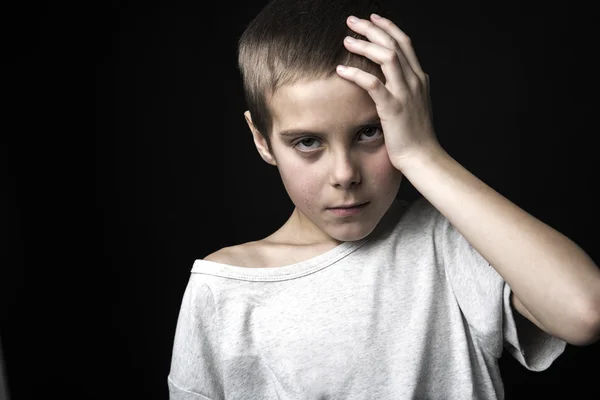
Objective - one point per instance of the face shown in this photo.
(329, 148)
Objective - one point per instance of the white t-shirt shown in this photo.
(411, 311)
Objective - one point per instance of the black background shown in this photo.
(106, 213)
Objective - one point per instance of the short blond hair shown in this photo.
(295, 41)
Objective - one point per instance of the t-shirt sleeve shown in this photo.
(194, 373)
(485, 301)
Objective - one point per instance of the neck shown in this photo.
(299, 230)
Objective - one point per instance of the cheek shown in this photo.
(382, 169)
(302, 183)
(383, 174)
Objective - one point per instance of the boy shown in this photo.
(358, 295)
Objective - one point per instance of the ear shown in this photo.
(259, 141)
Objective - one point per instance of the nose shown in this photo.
(345, 172)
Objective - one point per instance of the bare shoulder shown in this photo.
(237, 255)
(226, 255)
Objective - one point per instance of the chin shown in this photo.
(351, 235)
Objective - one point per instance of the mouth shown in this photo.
(348, 210)
(348, 206)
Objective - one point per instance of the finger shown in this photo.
(403, 41)
(377, 35)
(387, 58)
(376, 89)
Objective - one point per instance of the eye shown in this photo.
(310, 144)
(306, 144)
(372, 132)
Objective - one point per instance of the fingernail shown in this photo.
(350, 39)
(353, 19)
(375, 16)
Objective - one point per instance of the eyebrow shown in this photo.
(302, 132)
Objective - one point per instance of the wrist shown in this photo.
(419, 159)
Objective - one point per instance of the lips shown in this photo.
(347, 206)
(348, 212)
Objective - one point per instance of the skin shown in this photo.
(343, 170)
(344, 164)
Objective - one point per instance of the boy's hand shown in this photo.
(403, 103)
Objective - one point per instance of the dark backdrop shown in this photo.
(104, 219)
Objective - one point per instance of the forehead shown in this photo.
(327, 102)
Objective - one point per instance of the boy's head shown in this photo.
(294, 41)
(287, 56)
